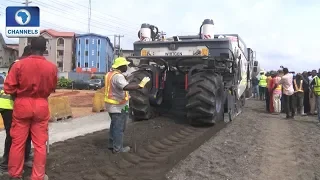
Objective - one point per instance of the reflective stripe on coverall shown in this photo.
(108, 90)
(32, 81)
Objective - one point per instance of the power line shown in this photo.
(102, 20)
(97, 24)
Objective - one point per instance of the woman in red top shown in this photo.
(271, 84)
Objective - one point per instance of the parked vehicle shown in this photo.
(96, 84)
(80, 84)
(89, 84)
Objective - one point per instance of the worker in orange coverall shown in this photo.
(31, 81)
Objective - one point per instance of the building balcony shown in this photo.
(59, 58)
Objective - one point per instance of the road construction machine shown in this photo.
(202, 78)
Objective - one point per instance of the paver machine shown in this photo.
(202, 78)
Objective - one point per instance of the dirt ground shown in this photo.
(80, 101)
(258, 146)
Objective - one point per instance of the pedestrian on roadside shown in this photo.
(276, 93)
(315, 92)
(31, 81)
(267, 93)
(6, 110)
(255, 85)
(270, 90)
(312, 97)
(299, 92)
(306, 92)
(287, 86)
(117, 101)
(262, 85)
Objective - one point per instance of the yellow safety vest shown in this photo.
(108, 98)
(296, 86)
(263, 81)
(316, 87)
(6, 101)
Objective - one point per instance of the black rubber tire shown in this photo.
(139, 103)
(205, 98)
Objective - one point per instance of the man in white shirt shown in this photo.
(288, 91)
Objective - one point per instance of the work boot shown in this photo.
(124, 150)
(44, 178)
(3, 171)
(28, 163)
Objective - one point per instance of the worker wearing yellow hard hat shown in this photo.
(117, 102)
(120, 61)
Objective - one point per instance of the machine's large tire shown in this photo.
(205, 98)
(139, 103)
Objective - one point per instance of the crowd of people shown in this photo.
(289, 92)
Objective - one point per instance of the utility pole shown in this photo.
(89, 16)
(27, 2)
(23, 41)
(116, 45)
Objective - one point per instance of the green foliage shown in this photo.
(64, 83)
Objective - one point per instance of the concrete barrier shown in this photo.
(1, 123)
(59, 108)
(98, 102)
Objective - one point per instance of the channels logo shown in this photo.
(22, 21)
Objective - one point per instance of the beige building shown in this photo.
(60, 48)
(8, 53)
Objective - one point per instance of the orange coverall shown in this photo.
(31, 81)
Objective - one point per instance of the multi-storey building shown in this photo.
(8, 53)
(94, 53)
(60, 47)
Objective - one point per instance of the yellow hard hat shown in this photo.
(120, 61)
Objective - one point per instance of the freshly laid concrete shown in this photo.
(63, 130)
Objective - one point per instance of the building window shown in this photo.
(98, 53)
(87, 41)
(60, 64)
(78, 53)
(92, 41)
(79, 41)
(86, 53)
(98, 41)
(92, 52)
(86, 64)
(78, 64)
(98, 65)
(60, 42)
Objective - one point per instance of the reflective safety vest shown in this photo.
(108, 98)
(263, 81)
(300, 89)
(6, 101)
(316, 87)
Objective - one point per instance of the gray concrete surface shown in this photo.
(63, 130)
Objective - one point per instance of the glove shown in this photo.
(144, 81)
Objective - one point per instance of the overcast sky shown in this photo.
(282, 32)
